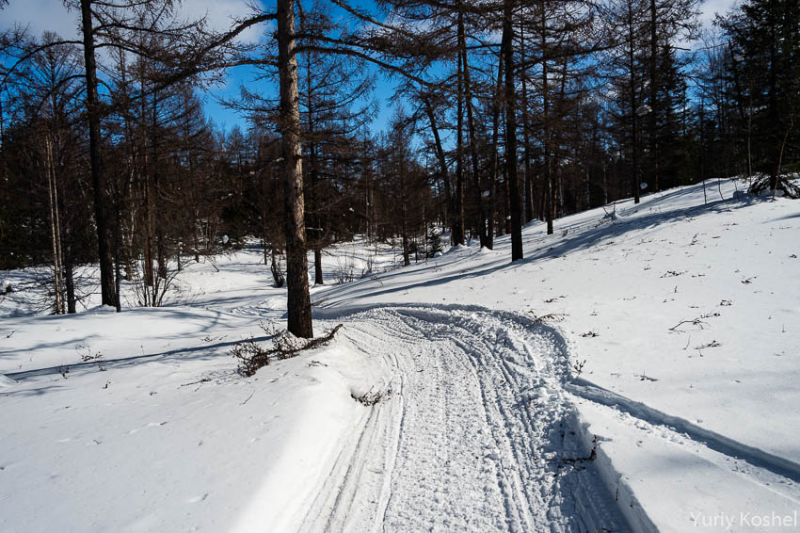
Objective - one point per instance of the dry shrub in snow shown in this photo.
(371, 397)
(783, 185)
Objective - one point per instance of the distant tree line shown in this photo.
(506, 112)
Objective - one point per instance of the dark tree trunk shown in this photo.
(550, 189)
(299, 300)
(404, 212)
(314, 179)
(161, 253)
(495, 164)
(102, 219)
(440, 158)
(458, 204)
(69, 281)
(318, 266)
(473, 145)
(117, 266)
(637, 174)
(654, 92)
(526, 139)
(511, 132)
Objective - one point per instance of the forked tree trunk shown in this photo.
(299, 300)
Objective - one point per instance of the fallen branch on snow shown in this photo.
(694, 322)
(253, 356)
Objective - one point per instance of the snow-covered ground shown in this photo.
(634, 372)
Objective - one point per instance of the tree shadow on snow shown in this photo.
(580, 235)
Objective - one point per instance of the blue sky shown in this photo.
(51, 15)
(224, 116)
(237, 77)
(41, 15)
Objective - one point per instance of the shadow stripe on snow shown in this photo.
(759, 458)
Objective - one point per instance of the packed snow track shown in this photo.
(473, 431)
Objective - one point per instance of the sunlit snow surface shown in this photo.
(674, 339)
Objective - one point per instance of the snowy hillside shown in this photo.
(638, 371)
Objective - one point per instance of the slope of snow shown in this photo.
(174, 441)
(718, 434)
(637, 371)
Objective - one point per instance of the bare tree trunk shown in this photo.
(440, 158)
(526, 137)
(637, 174)
(117, 265)
(368, 200)
(299, 300)
(404, 211)
(149, 207)
(318, 266)
(511, 132)
(654, 91)
(459, 223)
(776, 180)
(55, 229)
(107, 286)
(161, 255)
(473, 144)
(69, 279)
(314, 178)
(555, 145)
(495, 164)
(549, 194)
(277, 275)
(507, 200)
(749, 136)
(703, 147)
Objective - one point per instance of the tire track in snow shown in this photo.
(474, 436)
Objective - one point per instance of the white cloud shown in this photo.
(710, 8)
(51, 15)
(222, 14)
(40, 16)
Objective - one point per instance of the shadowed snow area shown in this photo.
(638, 371)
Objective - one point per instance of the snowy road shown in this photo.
(476, 433)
